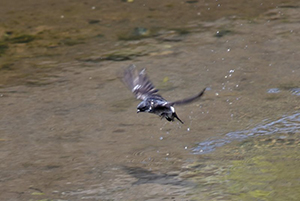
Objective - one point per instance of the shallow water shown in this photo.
(261, 168)
(69, 128)
(284, 125)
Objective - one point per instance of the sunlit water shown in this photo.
(285, 125)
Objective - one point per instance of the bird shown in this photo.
(143, 89)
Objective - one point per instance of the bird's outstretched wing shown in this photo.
(187, 100)
(139, 83)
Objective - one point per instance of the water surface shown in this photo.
(69, 128)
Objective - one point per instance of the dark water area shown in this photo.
(69, 128)
(37, 30)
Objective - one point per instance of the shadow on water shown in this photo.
(145, 177)
(285, 125)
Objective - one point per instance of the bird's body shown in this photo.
(159, 107)
(152, 102)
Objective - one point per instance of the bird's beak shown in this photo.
(137, 111)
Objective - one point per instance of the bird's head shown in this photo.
(142, 107)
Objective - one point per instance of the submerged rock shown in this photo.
(137, 34)
(24, 38)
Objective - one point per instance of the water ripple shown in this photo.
(284, 125)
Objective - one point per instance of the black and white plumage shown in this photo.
(152, 102)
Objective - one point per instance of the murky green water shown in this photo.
(263, 166)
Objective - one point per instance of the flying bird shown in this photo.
(152, 102)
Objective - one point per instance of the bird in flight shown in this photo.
(152, 102)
